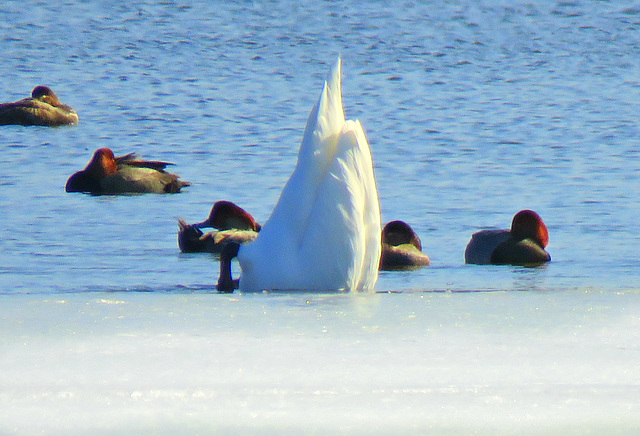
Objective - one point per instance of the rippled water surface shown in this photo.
(473, 113)
(474, 110)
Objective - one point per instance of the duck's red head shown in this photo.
(226, 215)
(398, 232)
(102, 163)
(528, 224)
(45, 94)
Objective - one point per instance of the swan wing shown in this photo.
(317, 151)
(345, 233)
(324, 232)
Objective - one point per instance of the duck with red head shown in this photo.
(107, 174)
(401, 248)
(523, 244)
(226, 215)
(233, 224)
(41, 109)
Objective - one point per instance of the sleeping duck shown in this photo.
(41, 109)
(107, 174)
(233, 224)
(523, 244)
(401, 248)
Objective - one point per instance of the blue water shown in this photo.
(473, 112)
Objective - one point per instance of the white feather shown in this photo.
(324, 232)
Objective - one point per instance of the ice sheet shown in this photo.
(409, 363)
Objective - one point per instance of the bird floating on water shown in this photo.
(41, 109)
(324, 232)
(107, 174)
(401, 248)
(523, 244)
(233, 224)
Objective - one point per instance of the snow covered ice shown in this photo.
(406, 363)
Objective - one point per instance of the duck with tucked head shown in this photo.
(401, 248)
(523, 244)
(324, 232)
(233, 224)
(107, 174)
(41, 109)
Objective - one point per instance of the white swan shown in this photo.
(324, 232)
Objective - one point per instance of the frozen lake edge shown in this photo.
(447, 363)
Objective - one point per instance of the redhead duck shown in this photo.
(41, 109)
(523, 244)
(401, 248)
(233, 224)
(107, 174)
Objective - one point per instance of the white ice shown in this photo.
(409, 363)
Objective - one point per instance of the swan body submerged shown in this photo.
(401, 246)
(41, 109)
(107, 174)
(523, 244)
(324, 232)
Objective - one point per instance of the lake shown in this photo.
(473, 112)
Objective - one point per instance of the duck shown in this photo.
(233, 224)
(107, 174)
(401, 248)
(324, 233)
(43, 108)
(523, 245)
